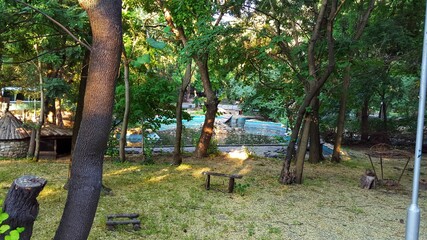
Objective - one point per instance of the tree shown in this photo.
(177, 158)
(42, 108)
(122, 141)
(198, 38)
(360, 26)
(86, 171)
(318, 76)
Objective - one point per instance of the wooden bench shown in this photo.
(230, 183)
(132, 219)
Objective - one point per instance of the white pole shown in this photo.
(413, 216)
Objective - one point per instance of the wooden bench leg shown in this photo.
(231, 185)
(208, 182)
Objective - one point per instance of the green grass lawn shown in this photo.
(173, 203)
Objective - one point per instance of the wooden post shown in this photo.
(231, 185)
(21, 203)
(208, 182)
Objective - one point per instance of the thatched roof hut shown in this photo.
(14, 140)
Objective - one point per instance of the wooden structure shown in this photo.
(55, 141)
(21, 203)
(14, 140)
(117, 219)
(383, 151)
(230, 182)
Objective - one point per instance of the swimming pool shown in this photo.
(240, 131)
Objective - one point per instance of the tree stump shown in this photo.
(21, 203)
(367, 181)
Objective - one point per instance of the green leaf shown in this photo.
(4, 228)
(156, 44)
(20, 229)
(3, 216)
(167, 29)
(144, 59)
(14, 235)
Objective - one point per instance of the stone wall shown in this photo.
(14, 148)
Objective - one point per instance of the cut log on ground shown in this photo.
(368, 180)
(21, 203)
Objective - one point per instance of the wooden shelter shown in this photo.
(14, 140)
(55, 141)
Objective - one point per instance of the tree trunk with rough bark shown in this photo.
(86, 170)
(79, 110)
(364, 123)
(315, 153)
(21, 204)
(302, 149)
(177, 158)
(286, 176)
(42, 110)
(58, 112)
(32, 146)
(336, 155)
(123, 132)
(211, 108)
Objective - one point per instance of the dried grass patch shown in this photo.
(173, 203)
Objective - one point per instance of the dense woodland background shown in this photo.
(346, 71)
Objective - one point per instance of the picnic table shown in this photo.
(386, 151)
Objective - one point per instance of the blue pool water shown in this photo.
(241, 131)
(250, 126)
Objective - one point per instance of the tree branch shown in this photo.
(37, 56)
(362, 23)
(57, 23)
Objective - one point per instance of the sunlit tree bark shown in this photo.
(123, 132)
(336, 155)
(86, 170)
(177, 158)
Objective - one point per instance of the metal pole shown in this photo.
(413, 216)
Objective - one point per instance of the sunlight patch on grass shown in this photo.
(183, 167)
(158, 178)
(49, 192)
(238, 154)
(123, 171)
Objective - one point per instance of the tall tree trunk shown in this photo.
(364, 123)
(79, 110)
(32, 146)
(177, 158)
(86, 171)
(211, 108)
(50, 108)
(336, 155)
(59, 120)
(315, 153)
(42, 110)
(123, 133)
(142, 140)
(285, 174)
(384, 115)
(211, 99)
(302, 149)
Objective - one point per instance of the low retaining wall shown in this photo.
(14, 148)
